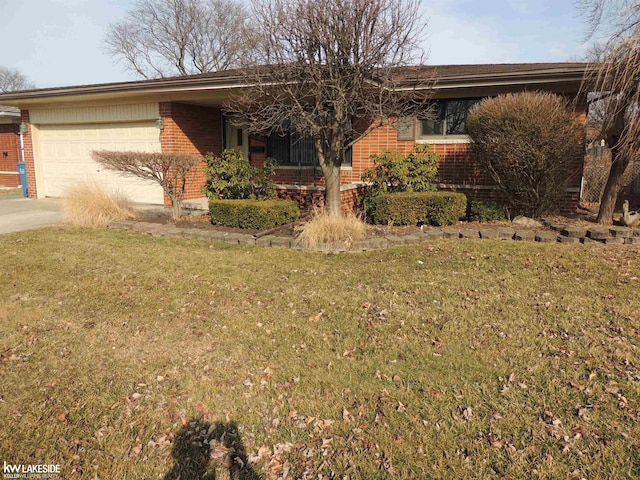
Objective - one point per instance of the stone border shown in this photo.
(557, 234)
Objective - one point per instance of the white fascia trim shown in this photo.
(443, 140)
(309, 167)
(495, 83)
(115, 91)
(449, 186)
(311, 188)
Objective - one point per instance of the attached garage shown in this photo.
(65, 138)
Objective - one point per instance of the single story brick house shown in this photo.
(185, 114)
(9, 146)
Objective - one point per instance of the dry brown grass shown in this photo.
(324, 228)
(444, 360)
(90, 205)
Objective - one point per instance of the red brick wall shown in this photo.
(9, 155)
(350, 198)
(191, 129)
(457, 170)
(379, 140)
(28, 156)
(292, 175)
(198, 129)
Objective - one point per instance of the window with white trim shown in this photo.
(451, 118)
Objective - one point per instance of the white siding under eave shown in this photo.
(95, 114)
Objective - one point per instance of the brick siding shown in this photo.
(457, 170)
(198, 129)
(191, 129)
(9, 155)
(310, 198)
(28, 157)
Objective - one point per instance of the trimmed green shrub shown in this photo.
(232, 176)
(478, 211)
(257, 214)
(395, 172)
(412, 208)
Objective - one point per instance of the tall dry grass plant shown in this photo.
(90, 205)
(324, 228)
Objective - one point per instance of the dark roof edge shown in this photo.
(122, 87)
(229, 80)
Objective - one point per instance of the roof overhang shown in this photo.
(9, 115)
(215, 88)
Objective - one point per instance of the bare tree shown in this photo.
(614, 78)
(169, 170)
(329, 70)
(12, 80)
(160, 38)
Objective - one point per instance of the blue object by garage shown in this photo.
(22, 170)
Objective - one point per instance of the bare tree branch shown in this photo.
(160, 38)
(615, 74)
(169, 170)
(12, 80)
(330, 69)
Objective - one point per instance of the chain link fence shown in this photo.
(596, 171)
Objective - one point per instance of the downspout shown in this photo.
(21, 143)
(299, 169)
(22, 169)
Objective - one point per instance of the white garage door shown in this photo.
(65, 157)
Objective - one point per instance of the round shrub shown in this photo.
(531, 144)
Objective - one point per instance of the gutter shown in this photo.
(492, 80)
(199, 83)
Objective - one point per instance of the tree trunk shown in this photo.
(332, 190)
(176, 205)
(330, 161)
(619, 164)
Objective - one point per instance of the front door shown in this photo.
(236, 137)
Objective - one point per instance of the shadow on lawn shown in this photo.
(210, 452)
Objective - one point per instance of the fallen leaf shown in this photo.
(346, 416)
(612, 388)
(577, 386)
(467, 413)
(583, 413)
(135, 451)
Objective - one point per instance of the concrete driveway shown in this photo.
(18, 213)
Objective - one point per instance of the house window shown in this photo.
(451, 117)
(290, 149)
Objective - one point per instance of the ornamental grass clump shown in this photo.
(324, 228)
(89, 205)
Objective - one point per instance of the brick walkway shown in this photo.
(554, 234)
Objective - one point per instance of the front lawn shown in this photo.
(124, 356)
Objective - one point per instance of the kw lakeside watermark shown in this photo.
(39, 471)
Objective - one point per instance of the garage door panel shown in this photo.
(66, 157)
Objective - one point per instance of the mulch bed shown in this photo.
(200, 220)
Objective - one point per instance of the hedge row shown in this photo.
(478, 211)
(412, 208)
(256, 214)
